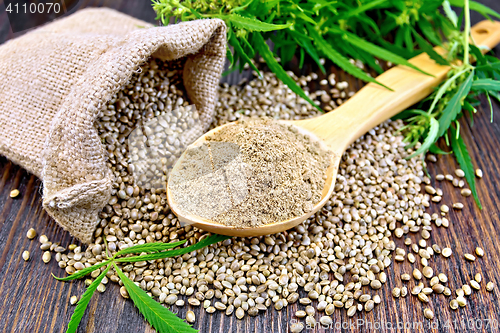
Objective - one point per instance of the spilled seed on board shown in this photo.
(427, 272)
(460, 173)
(46, 257)
(417, 274)
(190, 317)
(469, 257)
(296, 327)
(31, 233)
(124, 292)
(474, 284)
(423, 297)
(446, 252)
(145, 217)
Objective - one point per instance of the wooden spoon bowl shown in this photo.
(369, 107)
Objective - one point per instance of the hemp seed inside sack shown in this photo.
(251, 173)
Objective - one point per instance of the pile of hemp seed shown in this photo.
(336, 259)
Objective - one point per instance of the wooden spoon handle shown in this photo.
(374, 104)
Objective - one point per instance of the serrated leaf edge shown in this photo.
(144, 304)
(83, 302)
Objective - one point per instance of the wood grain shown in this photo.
(32, 301)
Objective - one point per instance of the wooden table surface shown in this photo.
(32, 301)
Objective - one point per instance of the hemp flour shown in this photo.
(251, 173)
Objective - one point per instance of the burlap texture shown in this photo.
(55, 79)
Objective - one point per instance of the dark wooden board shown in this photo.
(32, 301)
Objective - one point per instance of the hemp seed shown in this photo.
(369, 305)
(31, 233)
(423, 297)
(466, 192)
(434, 281)
(294, 328)
(351, 311)
(427, 272)
(101, 288)
(240, 313)
(190, 317)
(469, 257)
(460, 173)
(124, 292)
(446, 252)
(417, 274)
(438, 288)
(46, 257)
(301, 314)
(326, 320)
(475, 285)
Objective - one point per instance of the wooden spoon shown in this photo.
(369, 107)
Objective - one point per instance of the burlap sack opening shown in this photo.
(55, 79)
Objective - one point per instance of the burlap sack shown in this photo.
(55, 79)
